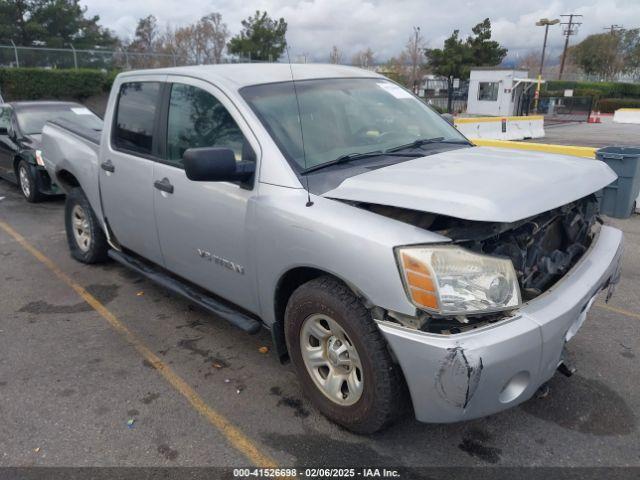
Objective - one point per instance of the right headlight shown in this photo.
(450, 280)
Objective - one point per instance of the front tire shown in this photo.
(87, 242)
(27, 182)
(341, 358)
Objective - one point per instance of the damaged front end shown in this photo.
(486, 368)
(542, 249)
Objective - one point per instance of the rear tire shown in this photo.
(28, 183)
(348, 373)
(87, 242)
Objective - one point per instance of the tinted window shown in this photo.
(135, 116)
(198, 119)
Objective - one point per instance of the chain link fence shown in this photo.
(121, 59)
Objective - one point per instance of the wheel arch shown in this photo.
(67, 180)
(288, 282)
(17, 158)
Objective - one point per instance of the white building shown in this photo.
(499, 92)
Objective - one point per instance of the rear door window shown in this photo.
(135, 117)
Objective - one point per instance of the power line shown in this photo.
(569, 28)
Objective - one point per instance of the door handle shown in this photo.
(163, 185)
(107, 166)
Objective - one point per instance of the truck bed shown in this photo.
(71, 156)
(88, 134)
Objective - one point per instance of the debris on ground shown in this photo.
(130, 422)
(543, 391)
(37, 449)
(217, 365)
(140, 293)
(263, 349)
(227, 380)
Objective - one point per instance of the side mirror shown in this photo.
(215, 164)
(448, 117)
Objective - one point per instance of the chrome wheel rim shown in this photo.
(81, 229)
(331, 359)
(25, 184)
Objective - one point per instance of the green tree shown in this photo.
(262, 38)
(630, 49)
(457, 56)
(608, 54)
(54, 23)
(599, 54)
(484, 50)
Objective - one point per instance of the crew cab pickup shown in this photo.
(387, 255)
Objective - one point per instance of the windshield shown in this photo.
(32, 119)
(344, 117)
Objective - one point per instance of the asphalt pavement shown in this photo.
(603, 134)
(143, 378)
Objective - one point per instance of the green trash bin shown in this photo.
(618, 198)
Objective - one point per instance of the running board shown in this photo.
(218, 308)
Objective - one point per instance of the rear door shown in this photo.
(204, 227)
(126, 171)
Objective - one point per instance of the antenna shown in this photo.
(304, 153)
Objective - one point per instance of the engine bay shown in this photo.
(543, 248)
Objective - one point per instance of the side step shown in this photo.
(218, 308)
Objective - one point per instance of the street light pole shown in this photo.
(543, 22)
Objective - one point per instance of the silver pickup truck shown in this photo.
(387, 255)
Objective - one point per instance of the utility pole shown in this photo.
(612, 28)
(543, 22)
(570, 28)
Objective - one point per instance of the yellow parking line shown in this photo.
(232, 433)
(622, 311)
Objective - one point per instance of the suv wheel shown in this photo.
(27, 182)
(341, 358)
(87, 241)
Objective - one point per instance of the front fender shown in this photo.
(352, 244)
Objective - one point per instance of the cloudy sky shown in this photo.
(383, 25)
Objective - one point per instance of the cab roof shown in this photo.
(238, 75)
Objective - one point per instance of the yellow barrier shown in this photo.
(585, 152)
(497, 119)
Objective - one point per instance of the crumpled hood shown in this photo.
(480, 183)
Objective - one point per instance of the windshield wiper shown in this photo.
(357, 156)
(425, 141)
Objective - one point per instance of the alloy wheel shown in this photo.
(25, 182)
(81, 228)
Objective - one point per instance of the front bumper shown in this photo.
(487, 370)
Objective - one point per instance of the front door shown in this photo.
(203, 226)
(126, 171)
